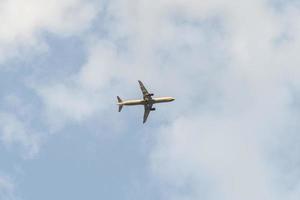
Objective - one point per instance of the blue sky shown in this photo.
(231, 134)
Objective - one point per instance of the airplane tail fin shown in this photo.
(119, 103)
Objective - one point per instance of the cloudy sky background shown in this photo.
(231, 134)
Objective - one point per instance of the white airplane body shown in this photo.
(147, 101)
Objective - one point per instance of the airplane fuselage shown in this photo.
(148, 101)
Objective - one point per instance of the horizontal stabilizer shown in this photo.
(119, 99)
(120, 103)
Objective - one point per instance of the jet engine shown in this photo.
(151, 94)
(152, 109)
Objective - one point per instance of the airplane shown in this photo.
(147, 101)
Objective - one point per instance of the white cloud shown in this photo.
(13, 131)
(224, 157)
(231, 63)
(22, 22)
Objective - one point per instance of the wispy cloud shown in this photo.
(24, 22)
(86, 93)
(7, 188)
(13, 132)
(21, 36)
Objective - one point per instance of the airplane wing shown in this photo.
(146, 94)
(147, 111)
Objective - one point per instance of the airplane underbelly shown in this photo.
(160, 101)
(133, 103)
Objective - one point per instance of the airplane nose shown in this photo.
(172, 99)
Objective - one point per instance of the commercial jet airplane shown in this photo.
(147, 101)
